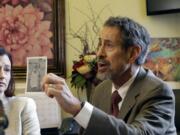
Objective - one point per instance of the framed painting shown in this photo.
(164, 60)
(32, 28)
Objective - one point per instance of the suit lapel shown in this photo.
(108, 99)
(131, 95)
(128, 102)
(104, 100)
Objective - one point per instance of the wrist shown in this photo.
(78, 110)
(82, 104)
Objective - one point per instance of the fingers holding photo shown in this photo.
(52, 79)
(51, 91)
(55, 86)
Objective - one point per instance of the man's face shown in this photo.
(113, 59)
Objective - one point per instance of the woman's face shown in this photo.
(5, 73)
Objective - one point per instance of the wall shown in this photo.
(158, 26)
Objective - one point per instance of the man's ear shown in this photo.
(133, 53)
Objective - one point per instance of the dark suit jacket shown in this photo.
(148, 109)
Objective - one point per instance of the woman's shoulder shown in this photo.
(20, 104)
(22, 101)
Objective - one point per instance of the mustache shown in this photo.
(102, 60)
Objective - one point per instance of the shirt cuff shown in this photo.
(83, 117)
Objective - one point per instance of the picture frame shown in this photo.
(164, 60)
(51, 11)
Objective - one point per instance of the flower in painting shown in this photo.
(14, 2)
(24, 33)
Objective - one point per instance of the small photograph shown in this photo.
(36, 69)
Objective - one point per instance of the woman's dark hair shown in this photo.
(11, 87)
(133, 34)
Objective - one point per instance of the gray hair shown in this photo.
(133, 34)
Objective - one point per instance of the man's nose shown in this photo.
(101, 51)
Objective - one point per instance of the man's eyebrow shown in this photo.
(108, 41)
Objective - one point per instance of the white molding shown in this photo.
(174, 85)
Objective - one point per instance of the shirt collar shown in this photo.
(124, 88)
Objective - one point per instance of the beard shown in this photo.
(103, 76)
(110, 74)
